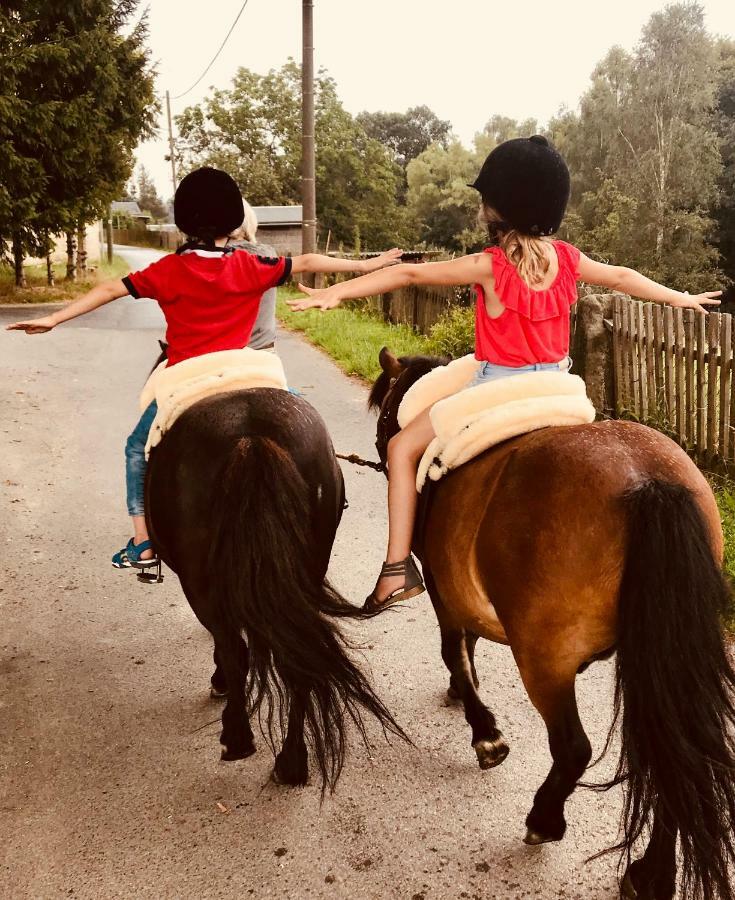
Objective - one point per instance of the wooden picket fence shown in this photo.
(673, 369)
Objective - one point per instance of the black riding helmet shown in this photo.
(208, 204)
(526, 181)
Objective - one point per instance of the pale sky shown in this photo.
(466, 59)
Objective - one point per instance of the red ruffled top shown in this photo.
(534, 328)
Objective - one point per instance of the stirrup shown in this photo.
(144, 575)
(412, 585)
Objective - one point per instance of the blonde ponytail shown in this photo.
(528, 254)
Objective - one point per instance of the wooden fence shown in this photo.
(417, 305)
(673, 369)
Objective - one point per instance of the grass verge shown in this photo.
(724, 490)
(352, 338)
(38, 291)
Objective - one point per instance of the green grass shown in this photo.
(724, 490)
(38, 291)
(352, 337)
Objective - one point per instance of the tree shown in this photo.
(147, 196)
(443, 206)
(724, 212)
(79, 95)
(644, 153)
(407, 134)
(253, 131)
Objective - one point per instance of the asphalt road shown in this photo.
(110, 779)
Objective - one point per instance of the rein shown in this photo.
(359, 461)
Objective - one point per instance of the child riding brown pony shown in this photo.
(243, 499)
(568, 544)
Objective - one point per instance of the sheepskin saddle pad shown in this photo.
(176, 388)
(469, 420)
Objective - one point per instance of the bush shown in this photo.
(454, 334)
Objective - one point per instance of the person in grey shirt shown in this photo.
(263, 336)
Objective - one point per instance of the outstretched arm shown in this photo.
(98, 296)
(465, 270)
(315, 262)
(620, 278)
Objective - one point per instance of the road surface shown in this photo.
(111, 785)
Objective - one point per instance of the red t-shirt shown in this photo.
(534, 328)
(210, 298)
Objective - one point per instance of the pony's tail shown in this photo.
(675, 687)
(267, 584)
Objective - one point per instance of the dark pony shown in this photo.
(243, 499)
(569, 544)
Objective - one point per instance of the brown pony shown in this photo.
(568, 544)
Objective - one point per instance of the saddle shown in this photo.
(176, 388)
(468, 421)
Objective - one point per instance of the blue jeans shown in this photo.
(135, 461)
(492, 372)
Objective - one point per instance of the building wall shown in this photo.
(287, 240)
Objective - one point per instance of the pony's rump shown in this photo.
(267, 585)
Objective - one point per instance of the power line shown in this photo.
(214, 58)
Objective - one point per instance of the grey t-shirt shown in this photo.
(264, 330)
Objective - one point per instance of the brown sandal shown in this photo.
(412, 586)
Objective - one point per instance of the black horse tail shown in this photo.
(676, 687)
(267, 585)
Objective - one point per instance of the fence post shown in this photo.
(592, 351)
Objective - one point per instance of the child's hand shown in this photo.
(389, 258)
(698, 301)
(321, 298)
(35, 326)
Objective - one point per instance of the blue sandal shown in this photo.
(129, 556)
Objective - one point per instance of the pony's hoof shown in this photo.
(533, 838)
(216, 693)
(288, 781)
(452, 693)
(627, 888)
(232, 755)
(491, 753)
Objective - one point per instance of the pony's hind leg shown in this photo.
(292, 763)
(553, 696)
(237, 736)
(487, 741)
(653, 877)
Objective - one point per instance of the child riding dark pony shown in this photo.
(209, 293)
(525, 284)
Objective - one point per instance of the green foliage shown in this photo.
(724, 490)
(725, 128)
(147, 196)
(253, 131)
(351, 336)
(76, 95)
(645, 155)
(407, 134)
(454, 334)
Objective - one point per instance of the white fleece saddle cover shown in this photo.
(467, 422)
(176, 388)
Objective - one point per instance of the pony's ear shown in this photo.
(389, 363)
(163, 345)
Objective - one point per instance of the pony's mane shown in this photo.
(414, 367)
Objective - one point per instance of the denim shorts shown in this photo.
(488, 371)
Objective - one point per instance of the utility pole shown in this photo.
(308, 185)
(171, 142)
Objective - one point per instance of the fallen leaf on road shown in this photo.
(222, 808)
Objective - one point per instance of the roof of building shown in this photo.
(279, 215)
(127, 208)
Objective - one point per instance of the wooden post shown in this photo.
(171, 142)
(71, 269)
(308, 183)
(108, 235)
